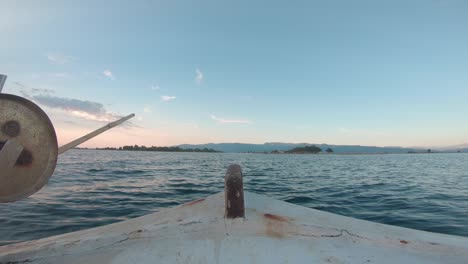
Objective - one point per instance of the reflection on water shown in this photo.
(92, 188)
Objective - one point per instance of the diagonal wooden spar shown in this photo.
(93, 134)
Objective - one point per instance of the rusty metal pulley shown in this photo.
(28, 148)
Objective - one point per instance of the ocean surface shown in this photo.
(92, 188)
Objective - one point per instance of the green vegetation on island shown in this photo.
(305, 150)
(162, 149)
(312, 149)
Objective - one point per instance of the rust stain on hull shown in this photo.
(276, 225)
(275, 217)
(275, 230)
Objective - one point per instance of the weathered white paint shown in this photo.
(272, 232)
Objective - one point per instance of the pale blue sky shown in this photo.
(337, 72)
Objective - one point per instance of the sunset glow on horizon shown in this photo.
(336, 72)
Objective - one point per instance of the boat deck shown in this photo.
(272, 232)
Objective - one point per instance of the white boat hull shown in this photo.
(271, 232)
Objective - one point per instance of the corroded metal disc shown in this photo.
(23, 121)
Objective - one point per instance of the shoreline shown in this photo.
(269, 153)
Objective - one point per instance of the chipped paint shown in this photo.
(135, 234)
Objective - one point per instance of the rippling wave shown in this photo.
(93, 188)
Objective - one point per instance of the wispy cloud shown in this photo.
(84, 109)
(59, 58)
(25, 90)
(147, 109)
(20, 84)
(199, 77)
(155, 87)
(109, 74)
(43, 90)
(80, 108)
(167, 98)
(221, 120)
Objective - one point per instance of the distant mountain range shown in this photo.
(343, 149)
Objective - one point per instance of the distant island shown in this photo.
(295, 148)
(305, 150)
(161, 149)
(282, 147)
(302, 150)
(312, 149)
